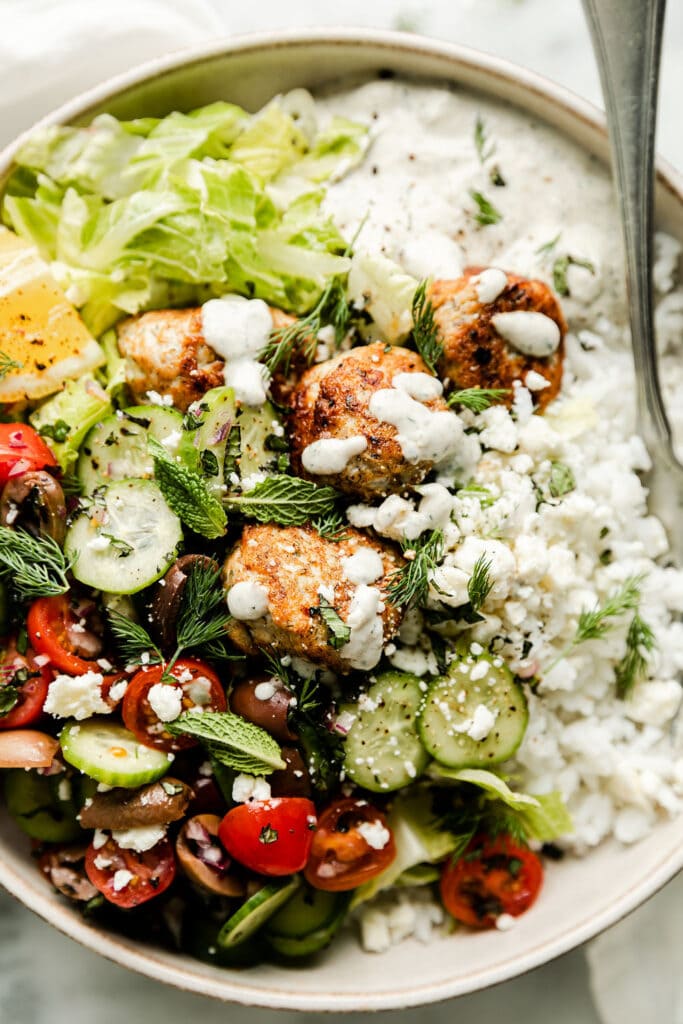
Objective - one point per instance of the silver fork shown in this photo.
(627, 39)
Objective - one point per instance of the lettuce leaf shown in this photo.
(160, 212)
(76, 409)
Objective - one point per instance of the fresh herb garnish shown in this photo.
(301, 337)
(134, 643)
(484, 147)
(561, 479)
(480, 583)
(640, 642)
(186, 494)
(231, 740)
(560, 268)
(496, 178)
(409, 584)
(9, 698)
(233, 450)
(331, 526)
(547, 247)
(121, 547)
(338, 632)
(477, 399)
(58, 431)
(487, 212)
(425, 328)
(286, 500)
(7, 364)
(34, 566)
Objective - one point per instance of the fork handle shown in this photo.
(627, 39)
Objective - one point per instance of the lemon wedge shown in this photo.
(43, 340)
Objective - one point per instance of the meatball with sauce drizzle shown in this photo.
(496, 328)
(371, 422)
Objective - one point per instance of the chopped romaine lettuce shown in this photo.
(385, 290)
(69, 415)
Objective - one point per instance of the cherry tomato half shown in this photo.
(31, 681)
(272, 837)
(351, 845)
(199, 686)
(55, 628)
(127, 878)
(493, 877)
(22, 450)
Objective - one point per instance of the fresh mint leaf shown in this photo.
(286, 500)
(186, 494)
(231, 740)
(339, 632)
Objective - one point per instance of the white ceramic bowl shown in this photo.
(581, 897)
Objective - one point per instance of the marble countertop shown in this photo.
(45, 978)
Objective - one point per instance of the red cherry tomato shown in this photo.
(200, 687)
(127, 878)
(31, 680)
(493, 877)
(22, 450)
(55, 629)
(351, 845)
(272, 837)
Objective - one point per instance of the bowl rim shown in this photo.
(243, 990)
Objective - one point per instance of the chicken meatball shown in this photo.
(371, 422)
(496, 329)
(326, 601)
(166, 352)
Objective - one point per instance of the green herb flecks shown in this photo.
(409, 585)
(480, 583)
(186, 494)
(425, 328)
(286, 500)
(331, 526)
(477, 399)
(560, 268)
(9, 698)
(231, 740)
(486, 211)
(547, 247)
(483, 145)
(338, 632)
(7, 364)
(268, 835)
(633, 667)
(58, 431)
(33, 566)
(562, 479)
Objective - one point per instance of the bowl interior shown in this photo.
(581, 896)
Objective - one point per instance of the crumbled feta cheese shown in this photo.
(375, 834)
(76, 697)
(121, 879)
(250, 787)
(166, 701)
(140, 839)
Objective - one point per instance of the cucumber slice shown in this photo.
(125, 540)
(382, 751)
(453, 704)
(230, 439)
(307, 923)
(253, 914)
(44, 807)
(111, 754)
(199, 939)
(116, 448)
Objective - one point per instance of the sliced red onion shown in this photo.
(221, 433)
(343, 722)
(195, 831)
(16, 439)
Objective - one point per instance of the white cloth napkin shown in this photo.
(50, 50)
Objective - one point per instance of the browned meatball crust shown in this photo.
(294, 565)
(332, 401)
(475, 355)
(165, 352)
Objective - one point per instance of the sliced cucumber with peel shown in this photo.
(116, 448)
(111, 754)
(475, 715)
(382, 750)
(125, 539)
(307, 923)
(43, 806)
(253, 914)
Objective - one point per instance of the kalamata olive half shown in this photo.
(35, 501)
(65, 870)
(27, 748)
(203, 859)
(294, 780)
(158, 803)
(265, 702)
(168, 595)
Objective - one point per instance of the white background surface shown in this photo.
(44, 977)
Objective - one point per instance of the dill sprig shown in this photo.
(487, 212)
(484, 147)
(477, 399)
(480, 583)
(305, 690)
(301, 337)
(560, 268)
(425, 328)
(7, 364)
(640, 642)
(132, 640)
(286, 500)
(331, 526)
(594, 624)
(409, 584)
(34, 566)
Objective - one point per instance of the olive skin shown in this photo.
(35, 501)
(294, 780)
(168, 596)
(271, 714)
